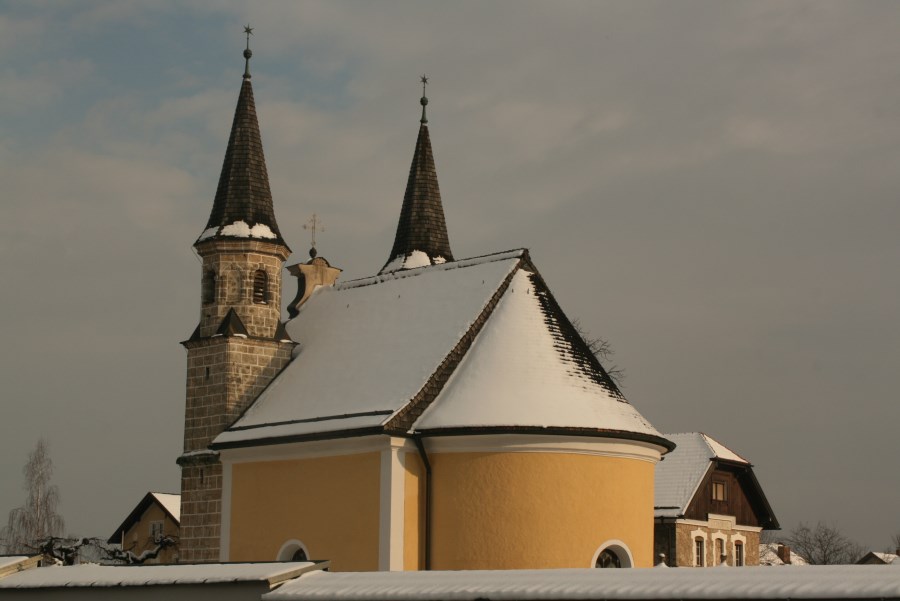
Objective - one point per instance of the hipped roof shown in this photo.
(478, 345)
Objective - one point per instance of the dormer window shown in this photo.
(718, 491)
(260, 287)
(208, 287)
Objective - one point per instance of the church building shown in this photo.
(442, 414)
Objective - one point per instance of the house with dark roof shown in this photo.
(156, 516)
(443, 413)
(709, 507)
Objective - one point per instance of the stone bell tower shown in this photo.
(240, 344)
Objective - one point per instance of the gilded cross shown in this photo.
(314, 224)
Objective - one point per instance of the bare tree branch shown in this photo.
(823, 545)
(604, 352)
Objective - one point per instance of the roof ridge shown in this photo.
(407, 273)
(406, 417)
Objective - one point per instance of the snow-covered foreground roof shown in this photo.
(105, 576)
(682, 470)
(481, 336)
(815, 582)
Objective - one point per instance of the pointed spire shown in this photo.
(421, 237)
(243, 204)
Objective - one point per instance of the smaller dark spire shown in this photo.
(424, 100)
(247, 52)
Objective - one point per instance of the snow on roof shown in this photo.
(11, 560)
(92, 575)
(516, 364)
(815, 582)
(170, 502)
(890, 558)
(768, 556)
(389, 331)
(681, 471)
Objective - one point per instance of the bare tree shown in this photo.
(896, 542)
(37, 519)
(604, 352)
(68, 551)
(823, 545)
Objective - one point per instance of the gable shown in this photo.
(736, 503)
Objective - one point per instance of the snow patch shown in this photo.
(239, 229)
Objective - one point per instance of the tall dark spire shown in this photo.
(243, 204)
(421, 237)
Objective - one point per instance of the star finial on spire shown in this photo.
(424, 100)
(247, 52)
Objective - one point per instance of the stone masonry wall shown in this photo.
(235, 262)
(201, 510)
(224, 375)
(677, 542)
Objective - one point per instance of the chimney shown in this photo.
(784, 554)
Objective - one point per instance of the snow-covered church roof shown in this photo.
(477, 345)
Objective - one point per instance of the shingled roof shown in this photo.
(421, 237)
(473, 346)
(243, 204)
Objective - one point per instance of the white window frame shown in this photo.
(617, 547)
(287, 550)
(695, 534)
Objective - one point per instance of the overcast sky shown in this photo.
(712, 187)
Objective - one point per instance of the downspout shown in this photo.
(419, 445)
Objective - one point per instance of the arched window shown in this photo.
(293, 550)
(612, 554)
(699, 553)
(608, 559)
(208, 287)
(260, 287)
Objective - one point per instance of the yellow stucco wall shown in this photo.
(331, 504)
(537, 510)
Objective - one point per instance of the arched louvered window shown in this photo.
(208, 287)
(260, 287)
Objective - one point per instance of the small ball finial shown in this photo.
(313, 252)
(424, 100)
(247, 52)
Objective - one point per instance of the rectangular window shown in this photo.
(738, 554)
(718, 491)
(156, 530)
(720, 551)
(699, 553)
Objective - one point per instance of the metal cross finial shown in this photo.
(424, 100)
(247, 52)
(314, 224)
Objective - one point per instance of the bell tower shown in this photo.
(240, 344)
